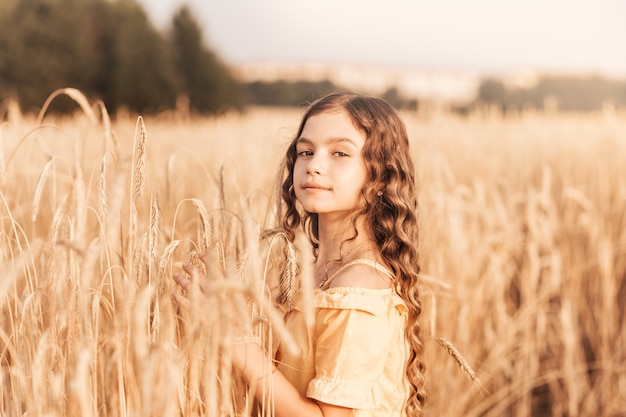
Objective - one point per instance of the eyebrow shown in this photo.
(330, 140)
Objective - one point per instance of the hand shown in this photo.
(185, 284)
(214, 297)
(194, 284)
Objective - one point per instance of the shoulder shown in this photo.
(361, 275)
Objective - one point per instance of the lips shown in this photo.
(313, 186)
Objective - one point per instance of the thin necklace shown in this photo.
(341, 263)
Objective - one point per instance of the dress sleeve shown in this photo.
(354, 336)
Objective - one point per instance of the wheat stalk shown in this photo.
(108, 133)
(80, 200)
(75, 95)
(39, 190)
(2, 125)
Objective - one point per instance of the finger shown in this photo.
(181, 300)
(188, 268)
(197, 275)
(181, 281)
(204, 258)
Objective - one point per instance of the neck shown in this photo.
(333, 244)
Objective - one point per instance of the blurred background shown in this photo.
(213, 56)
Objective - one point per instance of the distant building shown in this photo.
(429, 85)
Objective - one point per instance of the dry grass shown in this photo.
(523, 254)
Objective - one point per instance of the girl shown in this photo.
(350, 182)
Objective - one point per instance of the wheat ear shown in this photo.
(140, 161)
(103, 204)
(288, 280)
(205, 220)
(155, 222)
(460, 360)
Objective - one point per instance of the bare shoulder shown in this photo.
(361, 276)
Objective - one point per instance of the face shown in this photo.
(329, 172)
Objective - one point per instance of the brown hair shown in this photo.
(388, 203)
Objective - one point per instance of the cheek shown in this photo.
(296, 176)
(360, 175)
(297, 191)
(298, 167)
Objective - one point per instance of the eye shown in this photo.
(304, 152)
(340, 154)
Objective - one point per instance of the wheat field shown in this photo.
(523, 254)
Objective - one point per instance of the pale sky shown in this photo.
(482, 36)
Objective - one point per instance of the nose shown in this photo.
(311, 170)
(314, 166)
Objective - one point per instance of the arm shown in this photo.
(252, 362)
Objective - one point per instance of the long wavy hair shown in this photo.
(388, 204)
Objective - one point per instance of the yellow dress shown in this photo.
(352, 353)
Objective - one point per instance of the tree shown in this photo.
(492, 91)
(108, 50)
(205, 80)
(42, 49)
(287, 93)
(142, 73)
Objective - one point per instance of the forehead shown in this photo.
(331, 125)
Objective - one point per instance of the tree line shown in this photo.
(567, 93)
(110, 51)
